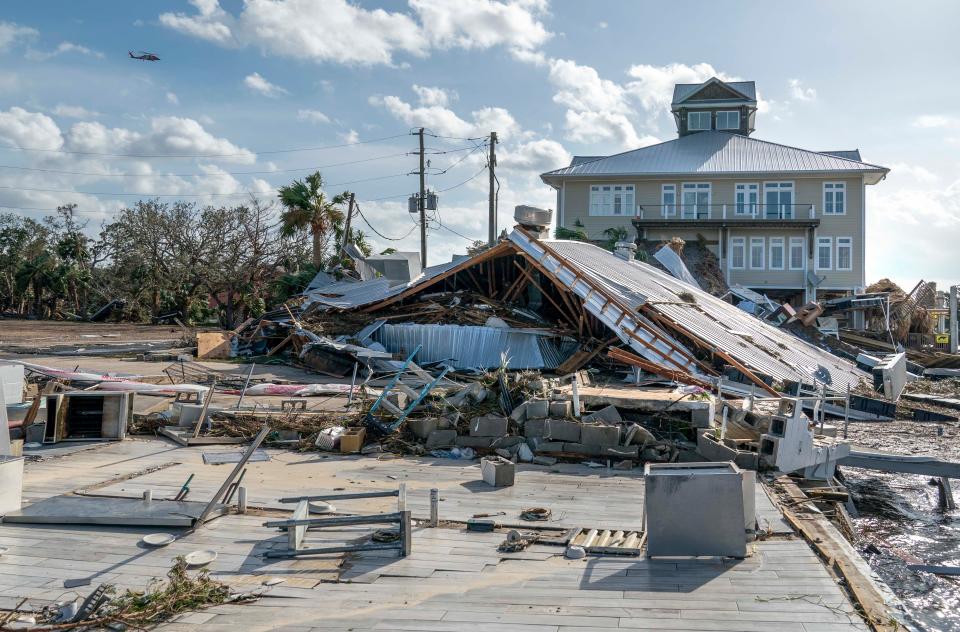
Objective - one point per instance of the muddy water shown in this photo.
(901, 523)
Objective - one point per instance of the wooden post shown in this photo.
(434, 507)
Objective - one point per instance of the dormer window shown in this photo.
(728, 119)
(697, 121)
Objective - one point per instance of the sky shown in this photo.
(251, 94)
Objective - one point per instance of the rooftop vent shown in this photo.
(532, 217)
(625, 250)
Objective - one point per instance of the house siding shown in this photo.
(807, 190)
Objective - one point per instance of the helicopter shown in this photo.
(143, 56)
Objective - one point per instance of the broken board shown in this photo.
(184, 436)
(126, 512)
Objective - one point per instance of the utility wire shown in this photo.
(200, 175)
(365, 221)
(242, 153)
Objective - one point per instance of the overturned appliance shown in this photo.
(88, 416)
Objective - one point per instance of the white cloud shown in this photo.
(12, 34)
(536, 156)
(446, 122)
(653, 86)
(350, 137)
(20, 128)
(581, 88)
(210, 22)
(936, 121)
(916, 172)
(74, 111)
(604, 127)
(257, 83)
(926, 219)
(172, 98)
(342, 32)
(435, 96)
(312, 116)
(602, 25)
(168, 135)
(799, 93)
(63, 48)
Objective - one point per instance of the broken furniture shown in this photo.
(608, 542)
(297, 526)
(694, 509)
(396, 385)
(88, 416)
(890, 376)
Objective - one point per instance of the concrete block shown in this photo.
(609, 415)
(488, 426)
(475, 442)
(538, 408)
(505, 442)
(542, 445)
(519, 413)
(560, 430)
(398, 399)
(562, 409)
(580, 448)
(441, 439)
(497, 471)
(544, 460)
(534, 428)
(421, 428)
(600, 435)
(620, 451)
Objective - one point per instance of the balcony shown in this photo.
(720, 215)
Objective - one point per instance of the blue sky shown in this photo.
(240, 83)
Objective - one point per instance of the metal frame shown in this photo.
(299, 523)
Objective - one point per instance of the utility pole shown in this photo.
(346, 226)
(491, 165)
(422, 204)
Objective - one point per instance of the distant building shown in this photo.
(784, 221)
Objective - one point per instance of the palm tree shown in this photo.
(306, 207)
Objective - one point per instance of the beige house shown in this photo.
(784, 221)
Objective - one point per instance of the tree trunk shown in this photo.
(317, 249)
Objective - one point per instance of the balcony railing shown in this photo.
(693, 212)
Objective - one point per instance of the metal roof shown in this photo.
(716, 152)
(577, 160)
(760, 346)
(849, 154)
(682, 91)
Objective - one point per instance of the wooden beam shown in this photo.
(683, 377)
(563, 313)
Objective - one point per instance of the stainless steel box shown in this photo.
(693, 509)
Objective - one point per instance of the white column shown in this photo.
(954, 329)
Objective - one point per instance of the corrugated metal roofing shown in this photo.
(715, 152)
(758, 345)
(476, 347)
(578, 160)
(849, 154)
(682, 91)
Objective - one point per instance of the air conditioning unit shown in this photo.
(532, 216)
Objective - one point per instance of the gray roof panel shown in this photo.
(715, 152)
(849, 154)
(682, 91)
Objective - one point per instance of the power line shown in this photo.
(444, 226)
(200, 175)
(453, 137)
(365, 221)
(474, 176)
(151, 195)
(243, 153)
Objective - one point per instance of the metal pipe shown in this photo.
(350, 548)
(296, 499)
(340, 521)
(246, 383)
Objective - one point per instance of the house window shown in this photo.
(834, 198)
(797, 255)
(824, 253)
(778, 200)
(756, 253)
(747, 197)
(696, 200)
(697, 121)
(738, 248)
(611, 199)
(844, 253)
(776, 253)
(668, 200)
(728, 119)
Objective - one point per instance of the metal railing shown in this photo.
(693, 212)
